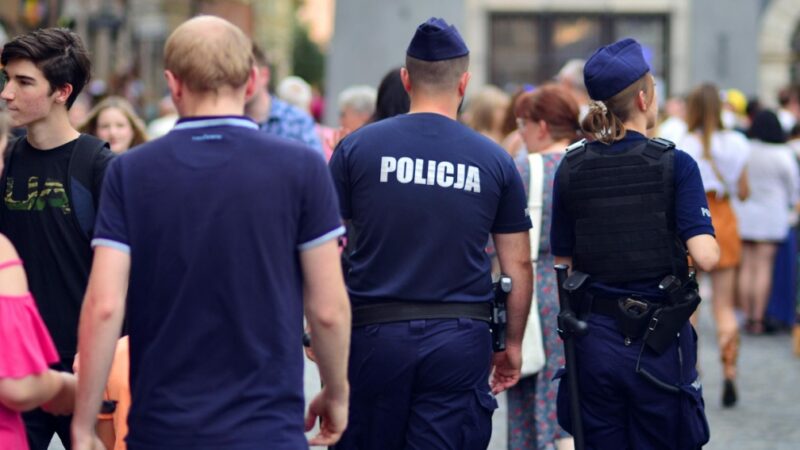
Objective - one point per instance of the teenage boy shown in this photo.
(50, 187)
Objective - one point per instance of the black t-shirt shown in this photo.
(37, 217)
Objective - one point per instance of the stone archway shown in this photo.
(778, 27)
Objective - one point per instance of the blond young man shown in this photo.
(227, 230)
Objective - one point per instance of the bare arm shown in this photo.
(704, 251)
(100, 325)
(24, 394)
(514, 255)
(106, 433)
(743, 186)
(327, 309)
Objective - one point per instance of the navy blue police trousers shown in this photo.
(621, 409)
(420, 384)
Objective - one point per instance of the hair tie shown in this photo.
(600, 105)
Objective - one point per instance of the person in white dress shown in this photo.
(767, 214)
(721, 156)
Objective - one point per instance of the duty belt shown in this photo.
(632, 315)
(399, 311)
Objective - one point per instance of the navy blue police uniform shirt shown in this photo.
(691, 212)
(215, 216)
(422, 193)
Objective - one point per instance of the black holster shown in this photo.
(668, 320)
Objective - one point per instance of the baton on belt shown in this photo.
(569, 326)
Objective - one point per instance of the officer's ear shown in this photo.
(462, 83)
(405, 79)
(641, 101)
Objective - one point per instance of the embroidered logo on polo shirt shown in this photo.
(431, 173)
(705, 212)
(207, 137)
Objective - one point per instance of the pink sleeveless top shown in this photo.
(25, 349)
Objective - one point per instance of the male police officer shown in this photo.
(422, 193)
(625, 209)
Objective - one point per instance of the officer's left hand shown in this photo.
(507, 366)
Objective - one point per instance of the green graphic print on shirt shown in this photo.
(53, 195)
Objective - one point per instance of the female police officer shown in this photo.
(625, 210)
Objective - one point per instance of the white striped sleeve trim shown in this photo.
(111, 244)
(333, 234)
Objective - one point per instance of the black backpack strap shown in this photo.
(80, 182)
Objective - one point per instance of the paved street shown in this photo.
(767, 417)
(768, 414)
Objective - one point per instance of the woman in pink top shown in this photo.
(26, 348)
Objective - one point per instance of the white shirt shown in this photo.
(673, 129)
(729, 150)
(774, 180)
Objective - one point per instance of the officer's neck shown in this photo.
(638, 122)
(443, 105)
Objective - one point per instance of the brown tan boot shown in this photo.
(729, 353)
(796, 339)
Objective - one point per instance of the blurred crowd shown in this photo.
(748, 156)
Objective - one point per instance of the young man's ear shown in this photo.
(61, 94)
(252, 83)
(174, 84)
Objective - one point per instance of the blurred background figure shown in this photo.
(80, 109)
(295, 91)
(392, 98)
(513, 142)
(548, 123)
(114, 121)
(734, 110)
(485, 112)
(766, 216)
(789, 107)
(571, 77)
(356, 106)
(167, 117)
(276, 116)
(721, 156)
(673, 127)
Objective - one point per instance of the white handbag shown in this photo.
(532, 345)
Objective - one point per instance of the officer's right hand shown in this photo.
(331, 406)
(507, 366)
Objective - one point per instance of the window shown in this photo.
(531, 47)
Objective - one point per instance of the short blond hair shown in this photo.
(207, 53)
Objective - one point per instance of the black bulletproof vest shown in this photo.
(623, 207)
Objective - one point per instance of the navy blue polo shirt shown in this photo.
(215, 215)
(691, 213)
(422, 193)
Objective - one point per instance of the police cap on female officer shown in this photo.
(625, 211)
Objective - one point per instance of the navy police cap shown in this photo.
(613, 68)
(436, 40)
